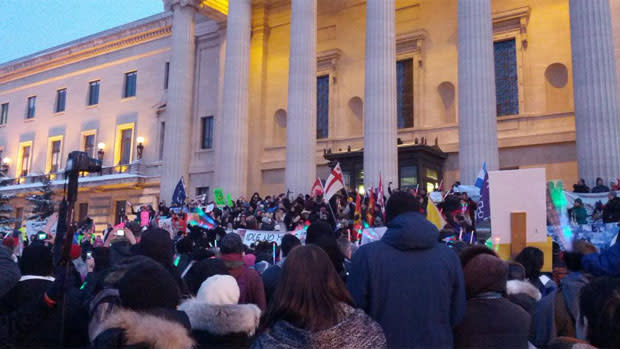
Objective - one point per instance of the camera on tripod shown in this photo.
(79, 161)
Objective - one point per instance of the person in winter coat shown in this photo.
(611, 211)
(601, 264)
(250, 282)
(519, 291)
(599, 321)
(408, 282)
(556, 313)
(581, 186)
(201, 271)
(37, 271)
(271, 276)
(216, 318)
(533, 260)
(578, 212)
(9, 271)
(311, 308)
(600, 187)
(491, 320)
(148, 317)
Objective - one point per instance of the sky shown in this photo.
(29, 26)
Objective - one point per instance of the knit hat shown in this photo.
(76, 251)
(249, 260)
(10, 242)
(36, 260)
(485, 273)
(219, 290)
(156, 244)
(231, 243)
(147, 285)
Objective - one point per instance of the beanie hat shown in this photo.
(485, 273)
(76, 251)
(317, 230)
(36, 260)
(10, 242)
(231, 243)
(147, 285)
(156, 244)
(249, 260)
(219, 290)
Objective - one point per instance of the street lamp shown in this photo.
(4, 168)
(100, 152)
(140, 147)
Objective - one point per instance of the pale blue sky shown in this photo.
(29, 26)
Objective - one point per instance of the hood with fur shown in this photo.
(515, 287)
(147, 329)
(222, 320)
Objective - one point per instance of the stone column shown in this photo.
(176, 155)
(476, 90)
(300, 170)
(232, 148)
(595, 88)
(380, 151)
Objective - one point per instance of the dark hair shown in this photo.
(231, 243)
(516, 271)
(471, 252)
(573, 260)
(201, 271)
(185, 245)
(600, 304)
(289, 241)
(309, 293)
(400, 202)
(36, 260)
(532, 260)
(317, 230)
(102, 258)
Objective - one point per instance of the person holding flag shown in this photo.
(180, 195)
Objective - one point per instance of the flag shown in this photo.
(202, 219)
(334, 183)
(357, 216)
(370, 211)
(179, 195)
(434, 216)
(317, 188)
(484, 209)
(481, 175)
(381, 198)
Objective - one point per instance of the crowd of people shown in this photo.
(606, 213)
(140, 286)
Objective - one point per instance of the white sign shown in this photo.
(253, 236)
(372, 234)
(518, 191)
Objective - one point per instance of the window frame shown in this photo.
(89, 99)
(412, 79)
(20, 159)
(126, 85)
(4, 113)
(166, 75)
(83, 136)
(118, 141)
(49, 163)
(203, 138)
(162, 139)
(29, 115)
(64, 100)
(515, 34)
(329, 92)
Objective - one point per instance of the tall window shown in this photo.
(61, 98)
(404, 93)
(322, 106)
(89, 145)
(125, 146)
(25, 160)
(55, 156)
(206, 132)
(82, 211)
(31, 107)
(129, 89)
(166, 74)
(119, 211)
(162, 137)
(4, 113)
(506, 78)
(408, 176)
(93, 92)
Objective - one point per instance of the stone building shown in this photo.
(257, 95)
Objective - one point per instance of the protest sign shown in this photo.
(372, 234)
(48, 225)
(589, 199)
(166, 224)
(229, 200)
(253, 236)
(218, 194)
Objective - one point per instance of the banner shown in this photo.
(253, 236)
(600, 235)
(218, 194)
(589, 199)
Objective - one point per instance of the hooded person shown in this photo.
(216, 318)
(147, 317)
(491, 320)
(250, 282)
(408, 269)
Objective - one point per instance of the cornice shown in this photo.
(115, 39)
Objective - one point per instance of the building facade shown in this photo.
(249, 95)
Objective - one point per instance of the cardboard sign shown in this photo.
(253, 236)
(218, 193)
(229, 200)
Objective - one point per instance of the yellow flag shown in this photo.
(434, 216)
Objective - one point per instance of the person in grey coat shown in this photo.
(408, 282)
(9, 271)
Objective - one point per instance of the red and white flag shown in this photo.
(334, 183)
(380, 197)
(317, 188)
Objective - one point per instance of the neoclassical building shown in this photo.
(263, 95)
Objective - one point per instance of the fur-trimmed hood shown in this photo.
(515, 287)
(222, 320)
(147, 329)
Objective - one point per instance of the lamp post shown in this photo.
(100, 152)
(140, 147)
